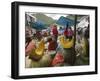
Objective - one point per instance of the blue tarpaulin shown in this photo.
(65, 21)
(39, 25)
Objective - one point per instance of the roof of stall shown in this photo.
(38, 25)
(65, 21)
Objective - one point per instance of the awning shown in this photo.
(65, 21)
(39, 25)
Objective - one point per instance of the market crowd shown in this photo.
(56, 47)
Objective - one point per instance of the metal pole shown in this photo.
(75, 29)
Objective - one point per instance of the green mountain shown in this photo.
(44, 18)
(72, 17)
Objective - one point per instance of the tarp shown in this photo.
(65, 21)
(39, 25)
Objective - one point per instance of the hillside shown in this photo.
(47, 20)
(72, 17)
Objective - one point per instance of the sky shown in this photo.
(55, 16)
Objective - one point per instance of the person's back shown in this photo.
(66, 32)
(52, 45)
(55, 31)
(70, 32)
